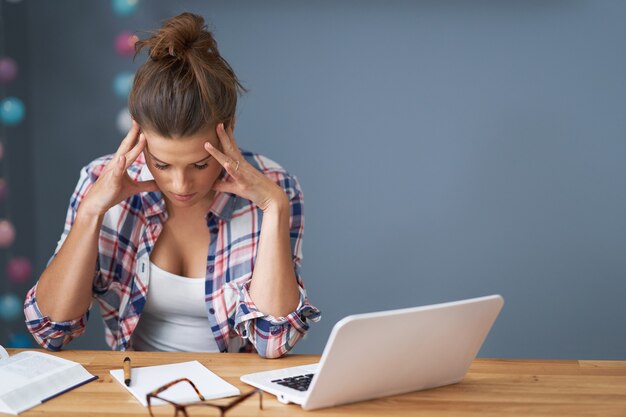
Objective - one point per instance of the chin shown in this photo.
(177, 203)
(198, 197)
(183, 202)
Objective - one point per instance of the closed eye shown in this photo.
(163, 167)
(160, 165)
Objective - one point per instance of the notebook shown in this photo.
(30, 378)
(148, 378)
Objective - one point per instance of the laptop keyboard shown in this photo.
(299, 382)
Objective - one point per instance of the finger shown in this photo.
(231, 165)
(226, 139)
(224, 186)
(216, 153)
(231, 129)
(120, 166)
(231, 134)
(146, 186)
(132, 155)
(129, 140)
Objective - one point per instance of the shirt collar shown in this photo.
(153, 202)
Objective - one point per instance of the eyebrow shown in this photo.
(165, 163)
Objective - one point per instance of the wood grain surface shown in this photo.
(492, 387)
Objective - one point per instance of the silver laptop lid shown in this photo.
(392, 352)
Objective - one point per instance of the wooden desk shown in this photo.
(493, 387)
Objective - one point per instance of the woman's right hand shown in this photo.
(114, 184)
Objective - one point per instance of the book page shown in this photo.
(3, 353)
(29, 378)
(26, 367)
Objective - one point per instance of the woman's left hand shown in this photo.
(244, 180)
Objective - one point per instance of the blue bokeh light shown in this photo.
(21, 340)
(124, 7)
(10, 307)
(122, 83)
(11, 111)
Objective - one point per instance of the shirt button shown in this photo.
(211, 269)
(275, 330)
(212, 310)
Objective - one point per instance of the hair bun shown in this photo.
(179, 35)
(186, 85)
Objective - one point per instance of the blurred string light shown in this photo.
(125, 47)
(12, 111)
(124, 121)
(125, 43)
(122, 83)
(124, 7)
(20, 340)
(19, 269)
(10, 306)
(7, 233)
(8, 69)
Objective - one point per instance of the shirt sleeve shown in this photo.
(47, 333)
(274, 336)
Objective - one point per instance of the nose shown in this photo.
(180, 183)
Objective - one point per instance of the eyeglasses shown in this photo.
(172, 409)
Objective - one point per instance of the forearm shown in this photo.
(64, 290)
(274, 288)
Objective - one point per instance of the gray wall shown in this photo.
(447, 149)
(16, 164)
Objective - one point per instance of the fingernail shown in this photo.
(208, 144)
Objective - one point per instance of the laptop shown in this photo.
(375, 355)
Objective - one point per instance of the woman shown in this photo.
(186, 242)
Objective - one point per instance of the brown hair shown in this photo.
(185, 84)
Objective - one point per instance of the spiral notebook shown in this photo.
(148, 378)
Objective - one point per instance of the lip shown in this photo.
(183, 197)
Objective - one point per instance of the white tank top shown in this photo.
(174, 317)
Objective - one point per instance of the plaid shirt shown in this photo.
(121, 278)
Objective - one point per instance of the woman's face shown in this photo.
(183, 170)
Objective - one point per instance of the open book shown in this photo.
(30, 378)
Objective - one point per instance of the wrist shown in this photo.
(86, 212)
(87, 222)
(279, 203)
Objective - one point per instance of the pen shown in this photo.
(127, 371)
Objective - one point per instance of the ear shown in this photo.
(232, 123)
